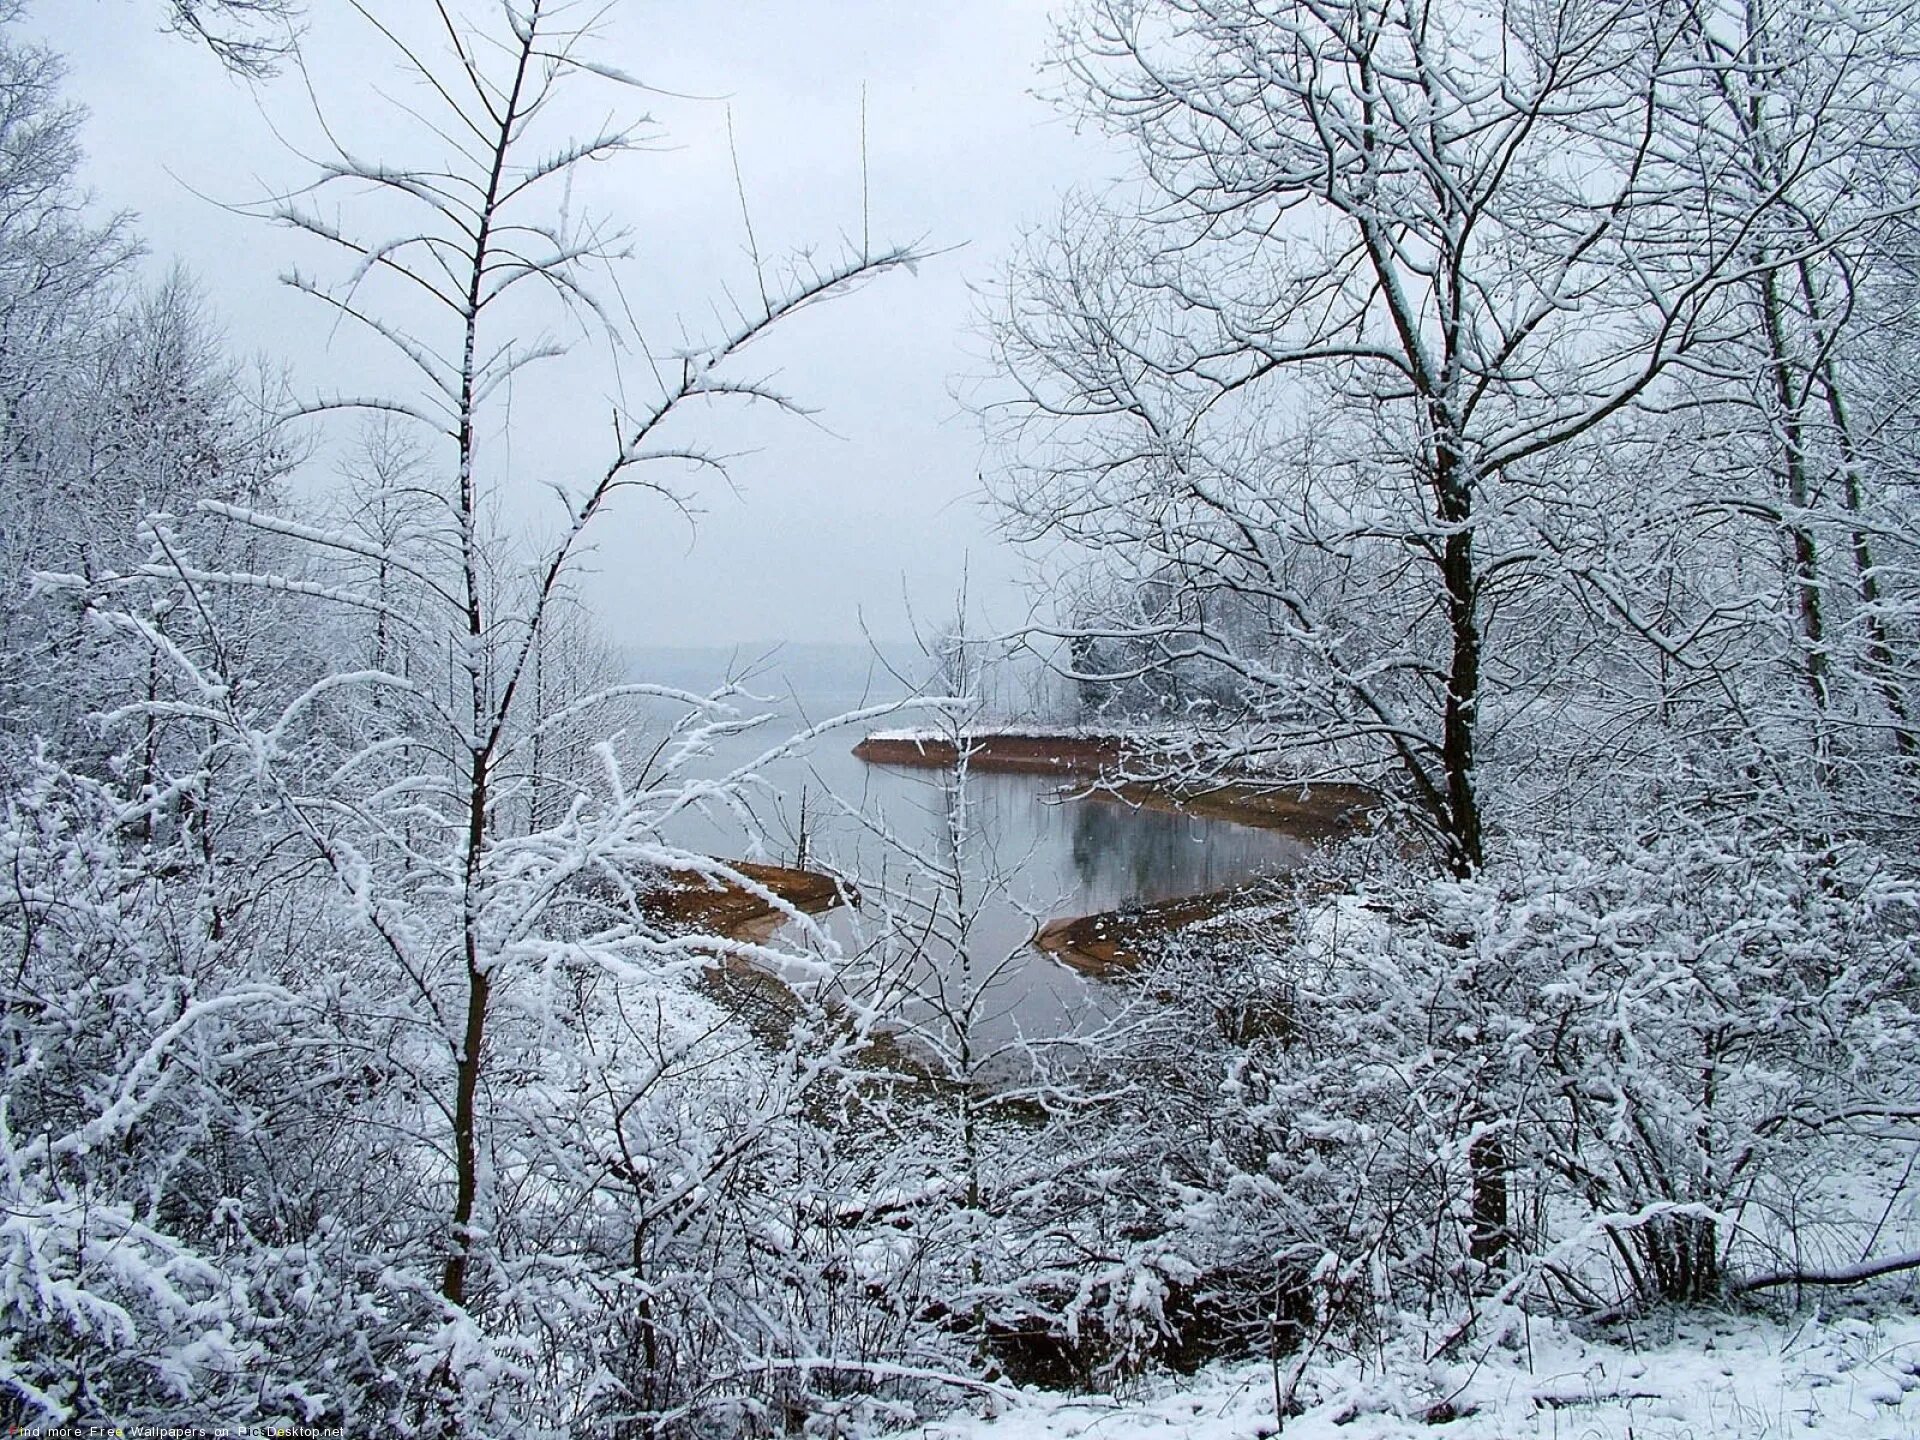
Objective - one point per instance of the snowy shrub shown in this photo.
(1579, 1079)
(118, 1020)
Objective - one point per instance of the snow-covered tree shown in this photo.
(580, 1148)
(1350, 398)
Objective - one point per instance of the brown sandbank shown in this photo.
(1323, 809)
(1110, 943)
(1063, 755)
(725, 907)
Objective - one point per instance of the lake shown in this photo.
(1032, 853)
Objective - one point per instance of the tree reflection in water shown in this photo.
(1126, 852)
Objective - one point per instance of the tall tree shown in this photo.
(1327, 389)
(511, 896)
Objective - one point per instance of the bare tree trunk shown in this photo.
(1866, 577)
(1465, 845)
(488, 715)
(469, 1059)
(1793, 460)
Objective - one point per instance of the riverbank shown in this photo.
(1068, 754)
(1112, 764)
(1324, 811)
(725, 907)
(712, 905)
(1111, 944)
(754, 995)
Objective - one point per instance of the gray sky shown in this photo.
(827, 523)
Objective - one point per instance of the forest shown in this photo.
(1498, 416)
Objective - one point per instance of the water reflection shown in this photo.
(1148, 854)
(1031, 853)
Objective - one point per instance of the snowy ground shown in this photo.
(1836, 1379)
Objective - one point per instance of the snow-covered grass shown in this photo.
(1817, 1379)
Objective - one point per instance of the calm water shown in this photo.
(1032, 853)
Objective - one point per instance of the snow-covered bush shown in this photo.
(1586, 1080)
(122, 1029)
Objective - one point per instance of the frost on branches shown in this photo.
(1506, 408)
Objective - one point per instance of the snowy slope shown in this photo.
(1840, 1379)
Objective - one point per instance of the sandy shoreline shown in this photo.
(724, 907)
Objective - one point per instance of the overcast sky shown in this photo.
(874, 505)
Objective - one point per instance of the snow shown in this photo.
(936, 734)
(1822, 1379)
(1340, 926)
